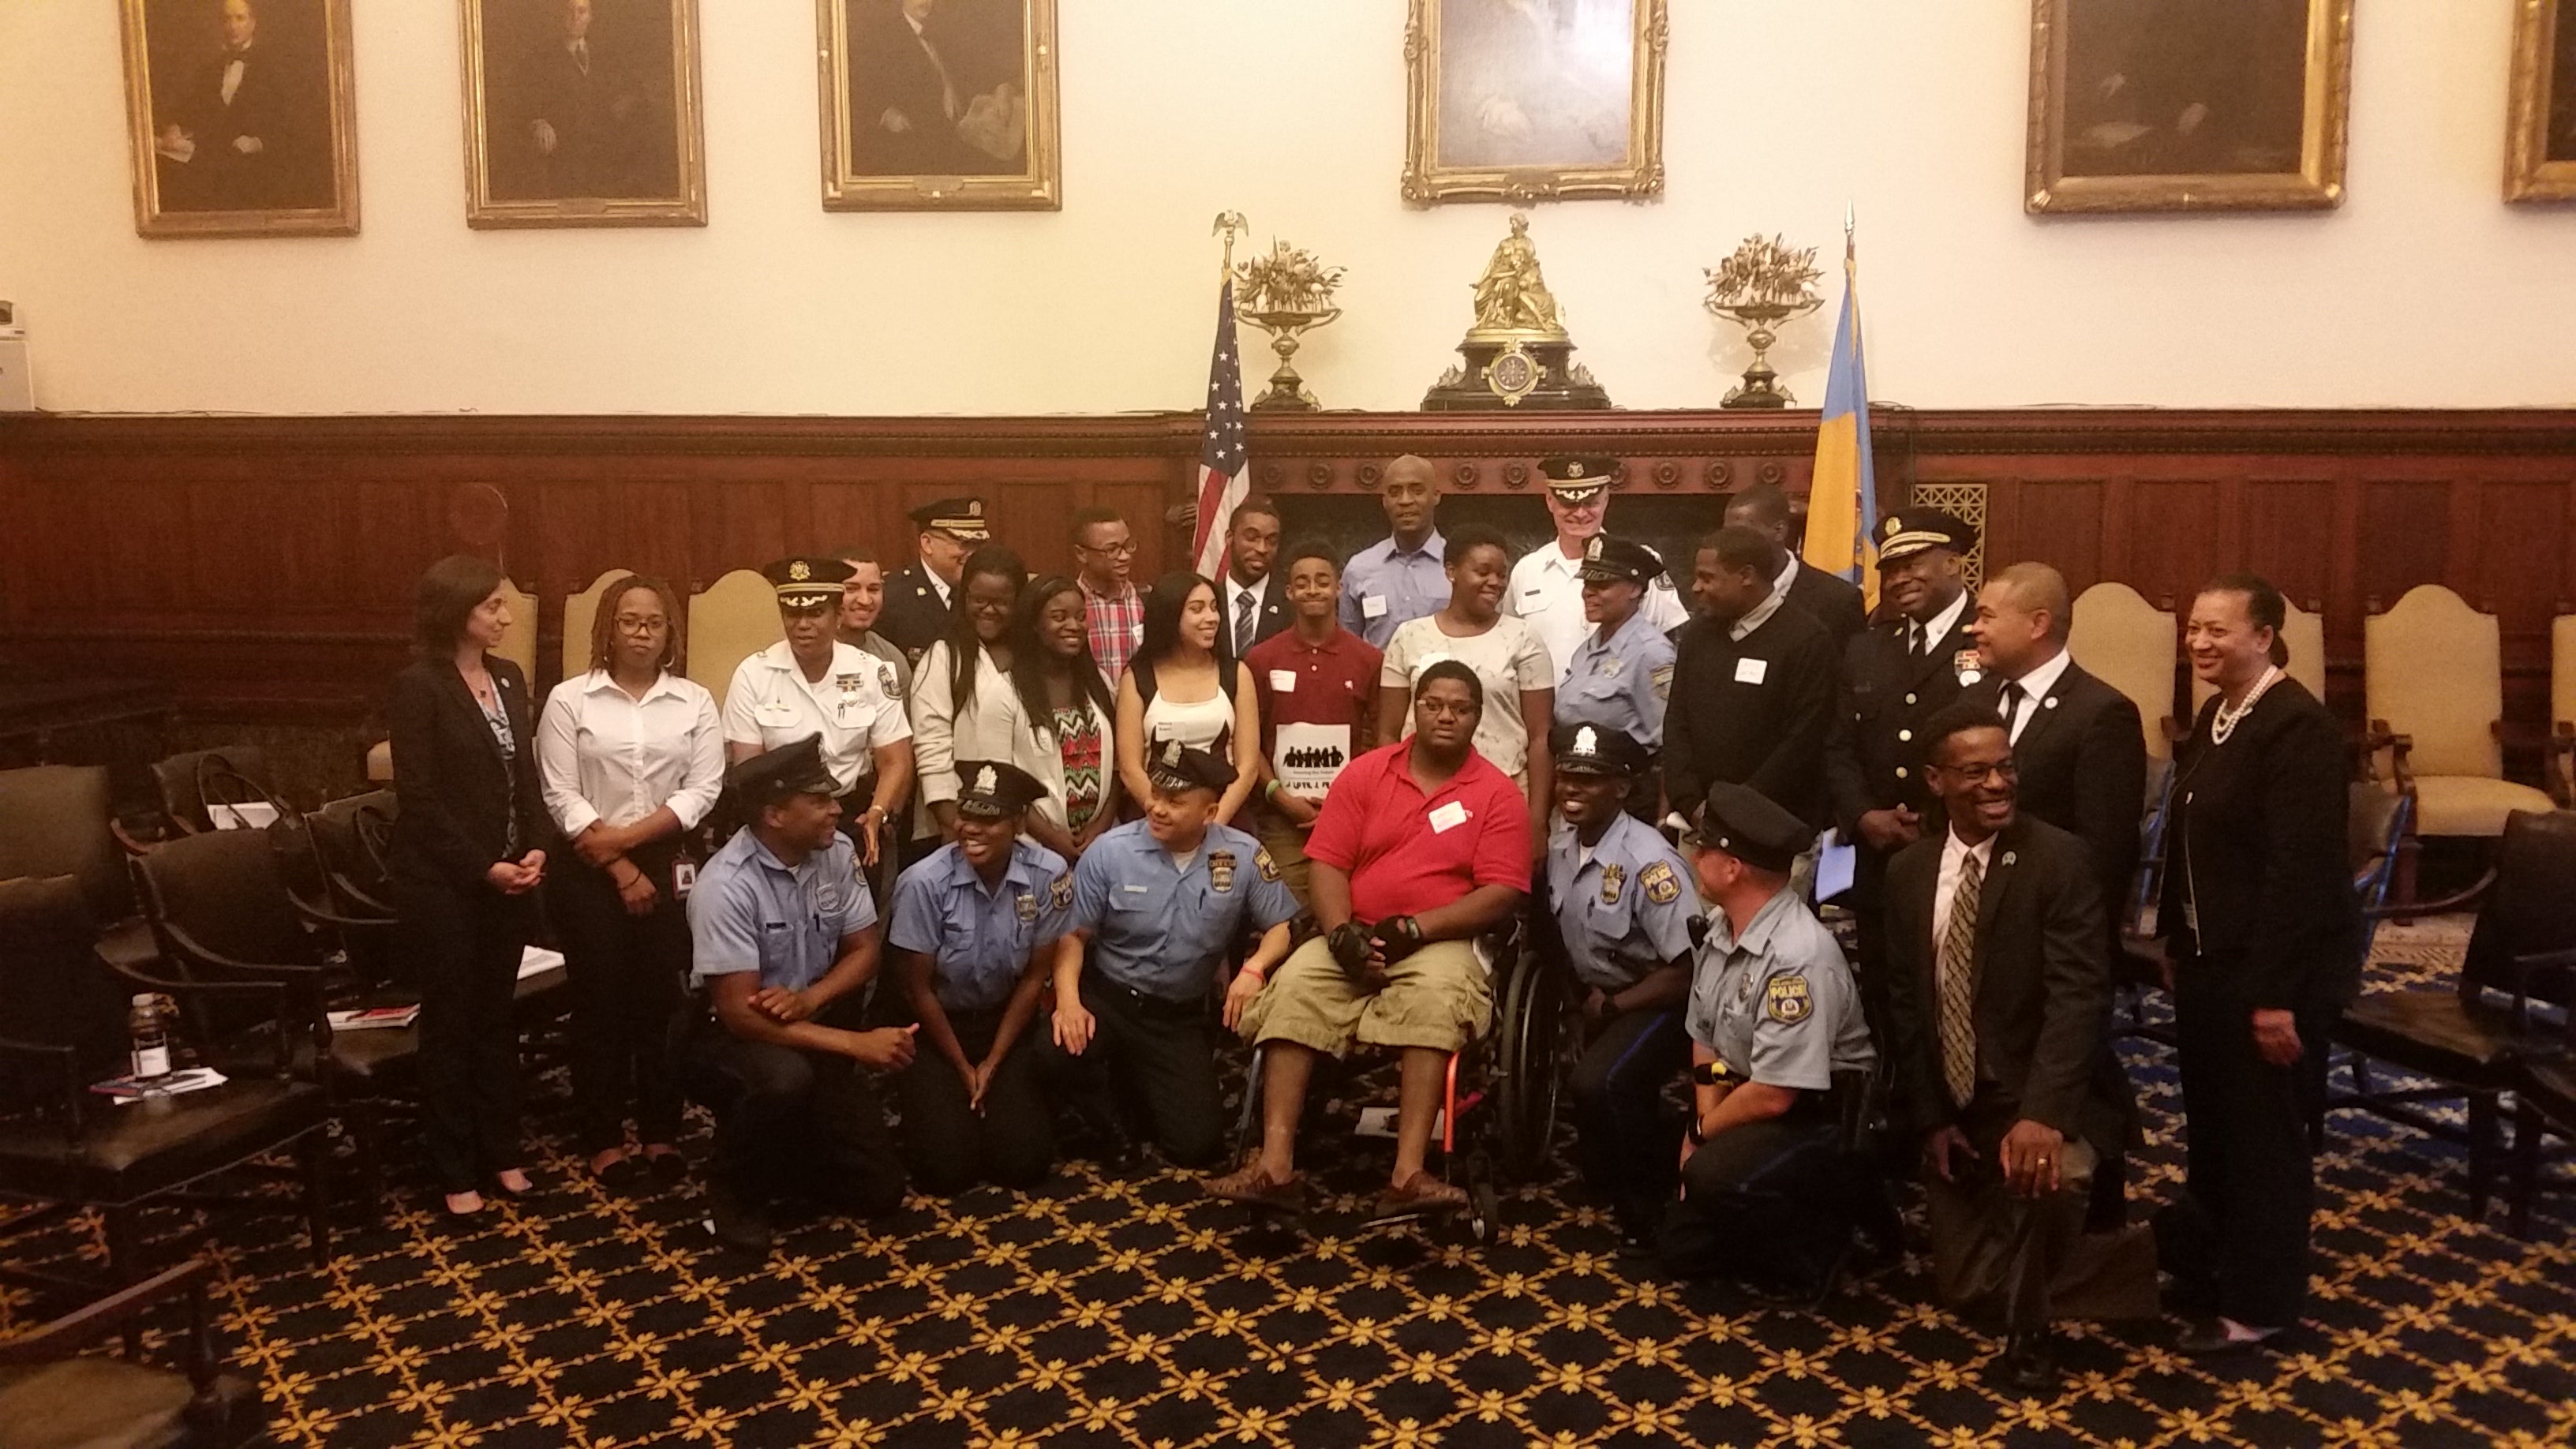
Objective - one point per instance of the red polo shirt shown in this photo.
(1407, 852)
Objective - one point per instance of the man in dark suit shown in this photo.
(250, 131)
(578, 118)
(922, 598)
(906, 92)
(1999, 997)
(2082, 752)
(1249, 596)
(1896, 674)
(1834, 602)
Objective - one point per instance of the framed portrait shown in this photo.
(243, 117)
(939, 105)
(2188, 105)
(583, 113)
(2540, 147)
(1530, 100)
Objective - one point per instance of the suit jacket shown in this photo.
(2041, 1002)
(2083, 765)
(1836, 603)
(455, 792)
(913, 618)
(278, 104)
(2257, 843)
(891, 69)
(1875, 759)
(1268, 617)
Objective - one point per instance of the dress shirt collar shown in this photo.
(1433, 545)
(599, 680)
(1757, 616)
(1953, 850)
(1939, 626)
(1788, 575)
(931, 577)
(1126, 591)
(1758, 932)
(2036, 684)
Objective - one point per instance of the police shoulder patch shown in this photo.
(1062, 891)
(887, 682)
(1786, 1000)
(1663, 681)
(1662, 886)
(1262, 862)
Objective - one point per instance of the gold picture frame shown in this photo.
(2186, 105)
(2540, 136)
(1519, 113)
(945, 107)
(583, 113)
(243, 117)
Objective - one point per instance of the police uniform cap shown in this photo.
(1583, 749)
(992, 788)
(1577, 479)
(1617, 560)
(773, 775)
(1747, 824)
(1176, 766)
(804, 582)
(1909, 531)
(960, 518)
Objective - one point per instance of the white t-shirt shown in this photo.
(854, 708)
(1508, 658)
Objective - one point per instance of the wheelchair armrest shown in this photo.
(68, 1335)
(2458, 900)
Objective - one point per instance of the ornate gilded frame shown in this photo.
(339, 219)
(688, 207)
(2529, 174)
(1040, 188)
(2316, 185)
(1426, 181)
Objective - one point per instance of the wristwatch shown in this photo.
(1711, 1073)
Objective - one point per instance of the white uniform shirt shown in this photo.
(605, 756)
(1545, 591)
(770, 703)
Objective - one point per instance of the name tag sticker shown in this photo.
(1283, 681)
(1373, 606)
(1751, 671)
(1136, 632)
(684, 875)
(1448, 817)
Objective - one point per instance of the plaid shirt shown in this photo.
(1117, 624)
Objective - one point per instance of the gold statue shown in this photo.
(1512, 300)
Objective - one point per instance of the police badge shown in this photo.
(1221, 871)
(1787, 1001)
(1612, 878)
(1028, 907)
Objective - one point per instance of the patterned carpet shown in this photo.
(1128, 1310)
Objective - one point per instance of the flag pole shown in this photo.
(1227, 224)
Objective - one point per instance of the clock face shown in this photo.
(1511, 375)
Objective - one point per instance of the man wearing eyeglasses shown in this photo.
(1104, 566)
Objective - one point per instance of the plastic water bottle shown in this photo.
(151, 1033)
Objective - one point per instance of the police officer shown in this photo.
(1620, 675)
(1546, 589)
(1621, 898)
(921, 596)
(1159, 902)
(809, 684)
(1896, 675)
(784, 936)
(975, 923)
(1768, 1191)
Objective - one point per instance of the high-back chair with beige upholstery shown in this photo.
(2562, 709)
(519, 641)
(734, 619)
(2304, 635)
(2433, 686)
(580, 610)
(2132, 646)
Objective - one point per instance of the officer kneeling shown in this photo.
(1768, 1193)
(784, 935)
(1159, 902)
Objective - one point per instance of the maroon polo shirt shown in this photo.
(1407, 852)
(1334, 683)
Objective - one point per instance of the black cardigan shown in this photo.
(2258, 835)
(455, 792)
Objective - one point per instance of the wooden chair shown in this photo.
(2134, 647)
(2544, 1103)
(580, 612)
(2562, 710)
(58, 820)
(734, 619)
(519, 641)
(194, 783)
(54, 1395)
(2303, 635)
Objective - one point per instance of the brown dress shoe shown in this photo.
(1251, 1185)
(1419, 1196)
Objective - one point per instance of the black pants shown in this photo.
(793, 1123)
(463, 948)
(625, 972)
(1159, 1054)
(1767, 1202)
(2237, 1240)
(2033, 1261)
(950, 1145)
(1626, 1137)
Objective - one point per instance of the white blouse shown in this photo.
(603, 755)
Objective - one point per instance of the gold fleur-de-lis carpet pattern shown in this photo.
(1126, 1309)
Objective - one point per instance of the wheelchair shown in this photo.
(1500, 1100)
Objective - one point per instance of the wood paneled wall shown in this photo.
(263, 565)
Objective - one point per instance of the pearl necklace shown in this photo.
(2224, 722)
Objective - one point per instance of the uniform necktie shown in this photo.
(1242, 624)
(1957, 967)
(2012, 705)
(1914, 640)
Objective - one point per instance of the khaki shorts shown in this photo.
(1287, 846)
(1440, 997)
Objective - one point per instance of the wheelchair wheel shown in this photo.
(1527, 1068)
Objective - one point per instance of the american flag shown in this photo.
(1224, 462)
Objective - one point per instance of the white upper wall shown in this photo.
(2424, 289)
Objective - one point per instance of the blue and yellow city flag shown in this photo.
(1842, 501)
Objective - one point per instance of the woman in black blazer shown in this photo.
(465, 857)
(2263, 928)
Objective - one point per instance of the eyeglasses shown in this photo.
(2006, 770)
(1114, 550)
(642, 623)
